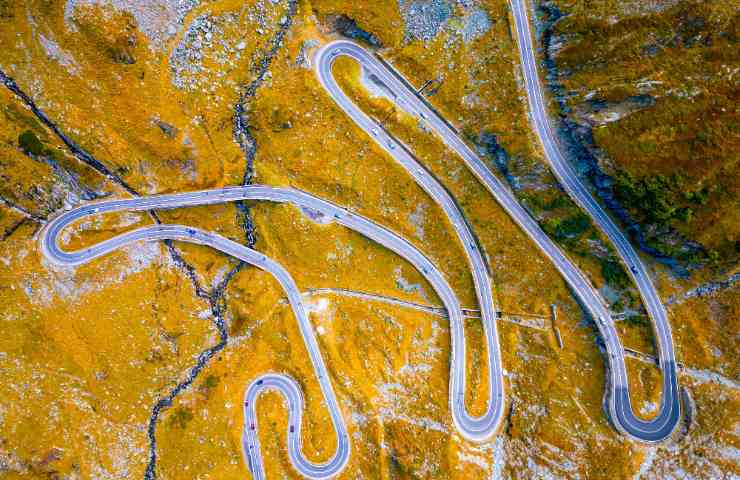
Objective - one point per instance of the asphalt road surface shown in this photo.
(320, 211)
(473, 428)
(662, 425)
(392, 84)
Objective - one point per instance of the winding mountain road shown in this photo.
(622, 415)
(472, 428)
(392, 84)
(317, 209)
(405, 97)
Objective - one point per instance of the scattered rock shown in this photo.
(55, 52)
(159, 20)
(476, 24)
(303, 59)
(168, 130)
(600, 112)
(424, 18)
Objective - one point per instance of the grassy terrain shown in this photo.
(86, 352)
(675, 160)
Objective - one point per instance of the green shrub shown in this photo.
(30, 143)
(637, 320)
(614, 274)
(181, 417)
(658, 198)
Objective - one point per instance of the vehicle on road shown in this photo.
(473, 428)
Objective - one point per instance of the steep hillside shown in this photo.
(135, 365)
(649, 95)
